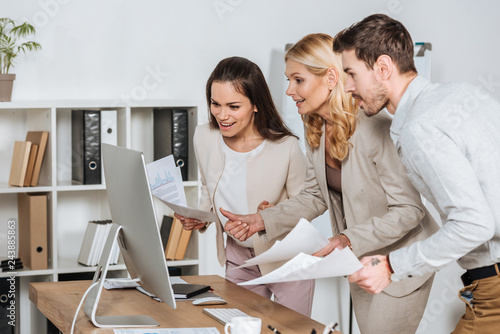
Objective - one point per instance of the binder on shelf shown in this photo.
(31, 165)
(6, 296)
(39, 138)
(32, 212)
(86, 146)
(180, 142)
(109, 133)
(19, 164)
(166, 226)
(173, 239)
(171, 136)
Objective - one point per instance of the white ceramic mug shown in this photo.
(243, 325)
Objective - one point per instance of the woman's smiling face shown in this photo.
(310, 92)
(233, 111)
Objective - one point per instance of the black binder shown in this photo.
(86, 145)
(171, 136)
(180, 140)
(8, 310)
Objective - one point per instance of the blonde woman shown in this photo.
(353, 171)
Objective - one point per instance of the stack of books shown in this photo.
(93, 243)
(27, 159)
(11, 264)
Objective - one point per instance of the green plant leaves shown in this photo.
(9, 47)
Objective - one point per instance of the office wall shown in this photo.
(154, 49)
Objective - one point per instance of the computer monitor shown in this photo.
(135, 226)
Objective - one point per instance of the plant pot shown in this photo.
(6, 83)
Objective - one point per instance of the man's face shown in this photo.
(364, 85)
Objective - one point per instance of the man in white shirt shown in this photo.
(448, 137)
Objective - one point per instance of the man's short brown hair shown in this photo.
(378, 35)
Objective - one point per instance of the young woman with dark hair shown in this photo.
(247, 154)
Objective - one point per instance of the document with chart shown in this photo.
(165, 182)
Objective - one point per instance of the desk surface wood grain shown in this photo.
(58, 302)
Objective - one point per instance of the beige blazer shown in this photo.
(379, 209)
(275, 174)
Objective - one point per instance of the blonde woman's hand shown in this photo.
(264, 205)
(242, 227)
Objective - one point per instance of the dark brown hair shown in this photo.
(378, 35)
(248, 80)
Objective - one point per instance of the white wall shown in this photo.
(155, 49)
(120, 49)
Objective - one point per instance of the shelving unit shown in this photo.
(70, 207)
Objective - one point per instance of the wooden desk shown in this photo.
(58, 302)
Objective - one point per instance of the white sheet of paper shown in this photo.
(192, 213)
(304, 238)
(165, 180)
(198, 330)
(303, 266)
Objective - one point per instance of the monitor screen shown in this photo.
(132, 209)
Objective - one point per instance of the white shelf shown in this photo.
(71, 206)
(80, 187)
(5, 189)
(68, 266)
(27, 273)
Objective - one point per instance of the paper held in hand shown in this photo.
(165, 182)
(304, 238)
(302, 241)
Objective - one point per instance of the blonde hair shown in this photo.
(315, 52)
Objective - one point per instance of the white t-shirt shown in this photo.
(231, 191)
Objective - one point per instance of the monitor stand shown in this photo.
(92, 299)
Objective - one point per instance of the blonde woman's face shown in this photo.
(309, 91)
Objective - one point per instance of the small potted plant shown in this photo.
(10, 48)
